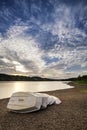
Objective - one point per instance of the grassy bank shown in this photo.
(80, 82)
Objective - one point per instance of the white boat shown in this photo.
(24, 102)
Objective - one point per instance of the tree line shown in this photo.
(6, 77)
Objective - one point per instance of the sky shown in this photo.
(46, 38)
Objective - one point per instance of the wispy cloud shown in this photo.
(45, 39)
(21, 50)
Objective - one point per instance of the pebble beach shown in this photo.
(71, 114)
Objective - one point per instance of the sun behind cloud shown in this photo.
(43, 38)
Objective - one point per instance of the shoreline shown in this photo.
(71, 114)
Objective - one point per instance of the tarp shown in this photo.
(23, 102)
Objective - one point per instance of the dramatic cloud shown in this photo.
(45, 38)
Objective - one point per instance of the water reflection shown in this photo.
(17, 86)
(7, 88)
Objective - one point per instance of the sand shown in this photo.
(71, 114)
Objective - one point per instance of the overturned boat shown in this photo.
(24, 102)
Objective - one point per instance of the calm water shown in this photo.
(7, 88)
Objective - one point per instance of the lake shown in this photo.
(7, 88)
